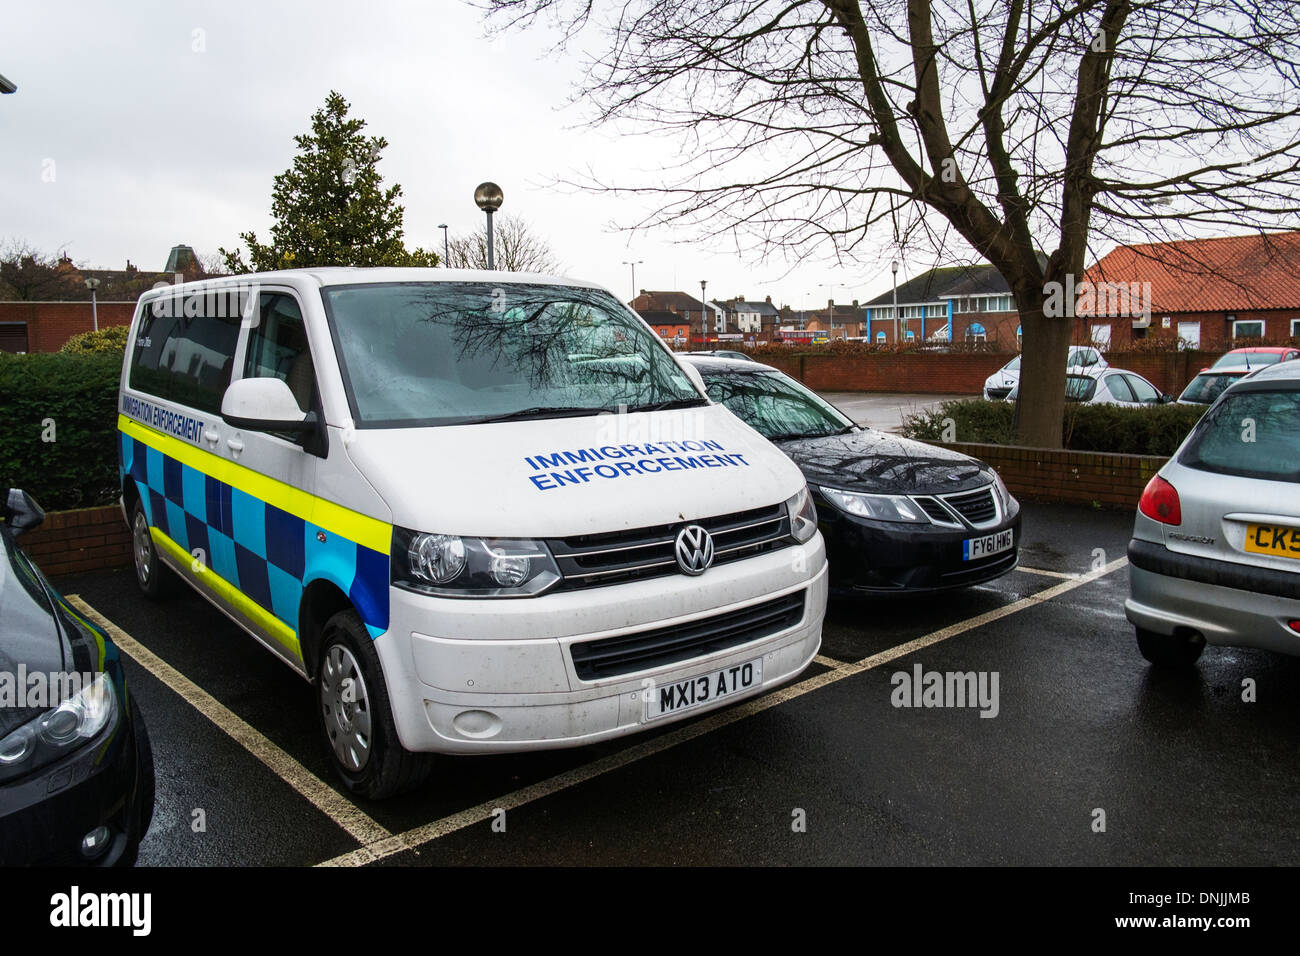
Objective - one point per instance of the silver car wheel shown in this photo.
(346, 705)
(144, 562)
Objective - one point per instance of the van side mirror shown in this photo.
(21, 512)
(264, 405)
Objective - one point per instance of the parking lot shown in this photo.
(1086, 755)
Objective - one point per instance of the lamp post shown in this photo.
(489, 197)
(704, 311)
(638, 262)
(893, 267)
(446, 250)
(92, 284)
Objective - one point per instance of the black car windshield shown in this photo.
(449, 353)
(1273, 451)
(774, 405)
(1206, 387)
(1249, 359)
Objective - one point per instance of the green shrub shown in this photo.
(1158, 430)
(111, 340)
(59, 441)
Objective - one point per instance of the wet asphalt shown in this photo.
(1180, 768)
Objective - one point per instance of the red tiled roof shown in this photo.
(1228, 274)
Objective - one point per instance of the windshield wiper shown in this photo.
(674, 403)
(543, 411)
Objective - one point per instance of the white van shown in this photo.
(481, 512)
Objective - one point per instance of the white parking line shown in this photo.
(329, 801)
(426, 833)
(1050, 574)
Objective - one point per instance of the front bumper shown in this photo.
(881, 557)
(45, 815)
(494, 676)
(1189, 599)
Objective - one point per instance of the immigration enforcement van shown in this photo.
(480, 512)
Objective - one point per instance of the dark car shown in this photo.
(897, 515)
(76, 768)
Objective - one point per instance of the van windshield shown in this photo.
(452, 353)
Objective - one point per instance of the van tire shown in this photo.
(155, 579)
(357, 721)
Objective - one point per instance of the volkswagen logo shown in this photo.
(694, 549)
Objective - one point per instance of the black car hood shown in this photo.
(31, 639)
(880, 463)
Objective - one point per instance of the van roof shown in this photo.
(355, 275)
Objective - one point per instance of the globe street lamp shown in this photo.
(893, 267)
(638, 262)
(92, 284)
(446, 251)
(704, 322)
(489, 197)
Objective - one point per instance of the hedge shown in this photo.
(107, 341)
(60, 437)
(1157, 430)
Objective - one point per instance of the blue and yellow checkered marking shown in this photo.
(262, 537)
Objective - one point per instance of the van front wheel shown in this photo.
(156, 580)
(356, 718)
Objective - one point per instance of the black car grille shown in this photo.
(977, 507)
(612, 558)
(936, 511)
(997, 394)
(612, 656)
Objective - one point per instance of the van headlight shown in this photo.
(803, 516)
(876, 507)
(450, 565)
(59, 730)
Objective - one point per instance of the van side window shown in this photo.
(186, 358)
(277, 348)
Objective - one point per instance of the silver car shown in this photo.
(1215, 554)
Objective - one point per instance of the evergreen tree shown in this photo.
(330, 207)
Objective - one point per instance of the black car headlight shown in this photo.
(76, 720)
(876, 507)
(450, 565)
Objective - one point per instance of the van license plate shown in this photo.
(664, 699)
(972, 549)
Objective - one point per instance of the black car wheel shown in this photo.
(356, 718)
(146, 790)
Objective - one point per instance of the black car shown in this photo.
(76, 768)
(897, 515)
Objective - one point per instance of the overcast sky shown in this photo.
(138, 125)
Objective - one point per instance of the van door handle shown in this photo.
(235, 445)
(211, 437)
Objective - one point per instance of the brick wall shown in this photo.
(1067, 477)
(88, 539)
(50, 324)
(951, 373)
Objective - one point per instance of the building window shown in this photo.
(1101, 336)
(1295, 327)
(1019, 335)
(1189, 335)
(880, 338)
(1248, 329)
(976, 333)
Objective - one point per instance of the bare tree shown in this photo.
(27, 273)
(1004, 127)
(515, 248)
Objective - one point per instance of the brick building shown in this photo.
(952, 303)
(1212, 294)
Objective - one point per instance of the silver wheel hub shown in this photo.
(345, 705)
(143, 548)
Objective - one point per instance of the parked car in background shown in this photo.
(1106, 386)
(1255, 356)
(76, 767)
(1215, 553)
(897, 515)
(726, 353)
(1211, 383)
(999, 385)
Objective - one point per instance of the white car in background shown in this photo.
(1106, 386)
(999, 385)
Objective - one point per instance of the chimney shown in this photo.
(768, 300)
(830, 303)
(130, 268)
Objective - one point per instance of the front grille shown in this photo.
(614, 557)
(612, 656)
(997, 394)
(977, 507)
(936, 511)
